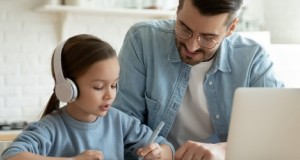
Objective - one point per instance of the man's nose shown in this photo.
(193, 44)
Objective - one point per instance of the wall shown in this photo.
(286, 63)
(252, 16)
(26, 41)
(28, 37)
(282, 19)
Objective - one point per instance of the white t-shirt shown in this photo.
(192, 121)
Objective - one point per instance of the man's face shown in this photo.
(207, 34)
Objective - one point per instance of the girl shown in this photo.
(86, 128)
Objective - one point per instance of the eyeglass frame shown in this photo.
(191, 34)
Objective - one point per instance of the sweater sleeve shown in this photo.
(137, 135)
(35, 138)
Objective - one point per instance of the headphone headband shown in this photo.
(65, 88)
(59, 76)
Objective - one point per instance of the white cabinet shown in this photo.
(148, 13)
(110, 24)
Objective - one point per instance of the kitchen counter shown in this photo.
(9, 135)
(6, 137)
(4, 145)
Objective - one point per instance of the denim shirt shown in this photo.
(153, 78)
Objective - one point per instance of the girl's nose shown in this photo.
(109, 93)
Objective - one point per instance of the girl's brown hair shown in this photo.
(78, 54)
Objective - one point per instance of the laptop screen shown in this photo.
(265, 124)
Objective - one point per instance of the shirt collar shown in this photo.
(221, 60)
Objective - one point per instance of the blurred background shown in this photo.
(30, 30)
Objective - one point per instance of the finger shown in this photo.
(101, 156)
(187, 155)
(207, 155)
(98, 155)
(154, 154)
(180, 152)
(148, 149)
(142, 152)
(139, 151)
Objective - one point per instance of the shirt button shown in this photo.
(210, 82)
(218, 116)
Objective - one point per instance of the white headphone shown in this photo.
(65, 89)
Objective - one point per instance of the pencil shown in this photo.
(155, 134)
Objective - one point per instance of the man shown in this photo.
(185, 72)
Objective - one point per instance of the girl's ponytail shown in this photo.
(53, 104)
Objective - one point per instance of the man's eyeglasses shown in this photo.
(185, 34)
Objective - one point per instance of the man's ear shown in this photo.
(232, 26)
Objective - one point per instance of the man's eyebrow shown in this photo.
(202, 34)
(208, 34)
(184, 25)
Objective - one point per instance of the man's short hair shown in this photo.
(215, 7)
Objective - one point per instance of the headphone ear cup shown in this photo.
(66, 91)
(74, 89)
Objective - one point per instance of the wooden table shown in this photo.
(9, 135)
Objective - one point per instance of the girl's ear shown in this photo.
(232, 27)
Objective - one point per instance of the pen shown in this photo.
(155, 134)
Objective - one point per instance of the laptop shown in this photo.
(264, 124)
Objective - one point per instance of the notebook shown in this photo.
(265, 124)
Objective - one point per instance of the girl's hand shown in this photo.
(154, 151)
(150, 152)
(90, 155)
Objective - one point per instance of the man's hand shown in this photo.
(192, 150)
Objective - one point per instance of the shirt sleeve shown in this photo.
(262, 71)
(132, 84)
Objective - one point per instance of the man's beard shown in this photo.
(192, 61)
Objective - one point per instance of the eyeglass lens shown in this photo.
(186, 34)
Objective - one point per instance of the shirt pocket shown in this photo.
(153, 108)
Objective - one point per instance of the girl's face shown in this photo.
(97, 90)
